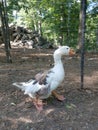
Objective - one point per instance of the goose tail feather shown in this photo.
(20, 85)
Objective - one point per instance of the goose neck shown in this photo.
(57, 59)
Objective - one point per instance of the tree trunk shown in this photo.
(82, 19)
(39, 28)
(5, 30)
(97, 37)
(81, 39)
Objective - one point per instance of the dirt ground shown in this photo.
(79, 111)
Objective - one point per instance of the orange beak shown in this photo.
(71, 52)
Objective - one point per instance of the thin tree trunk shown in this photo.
(5, 30)
(81, 41)
(97, 37)
(82, 20)
(39, 28)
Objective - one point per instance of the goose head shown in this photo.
(64, 50)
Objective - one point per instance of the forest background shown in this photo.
(56, 21)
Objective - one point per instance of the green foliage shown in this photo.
(92, 29)
(56, 20)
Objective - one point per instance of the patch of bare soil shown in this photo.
(79, 111)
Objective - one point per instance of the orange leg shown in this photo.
(59, 97)
(38, 104)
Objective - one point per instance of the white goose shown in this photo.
(44, 84)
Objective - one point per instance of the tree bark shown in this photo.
(5, 30)
(81, 41)
(82, 27)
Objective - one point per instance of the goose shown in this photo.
(44, 84)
